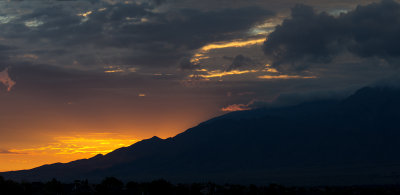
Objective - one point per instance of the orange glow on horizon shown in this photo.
(45, 130)
(63, 149)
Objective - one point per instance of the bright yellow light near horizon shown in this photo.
(272, 70)
(197, 57)
(114, 71)
(63, 149)
(81, 145)
(234, 43)
(85, 14)
(201, 54)
(219, 73)
(201, 70)
(119, 69)
(269, 77)
(269, 69)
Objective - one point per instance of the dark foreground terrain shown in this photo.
(114, 186)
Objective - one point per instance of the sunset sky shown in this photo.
(83, 77)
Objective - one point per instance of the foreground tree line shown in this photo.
(114, 186)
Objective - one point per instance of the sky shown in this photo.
(83, 77)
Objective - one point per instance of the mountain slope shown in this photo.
(353, 141)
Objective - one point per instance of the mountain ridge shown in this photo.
(309, 143)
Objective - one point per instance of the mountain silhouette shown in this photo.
(346, 142)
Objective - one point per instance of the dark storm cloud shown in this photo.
(5, 48)
(170, 36)
(375, 30)
(309, 37)
(145, 37)
(4, 52)
(241, 62)
(186, 64)
(55, 23)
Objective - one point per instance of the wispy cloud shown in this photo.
(270, 77)
(235, 107)
(4, 151)
(6, 80)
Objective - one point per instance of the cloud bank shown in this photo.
(308, 37)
